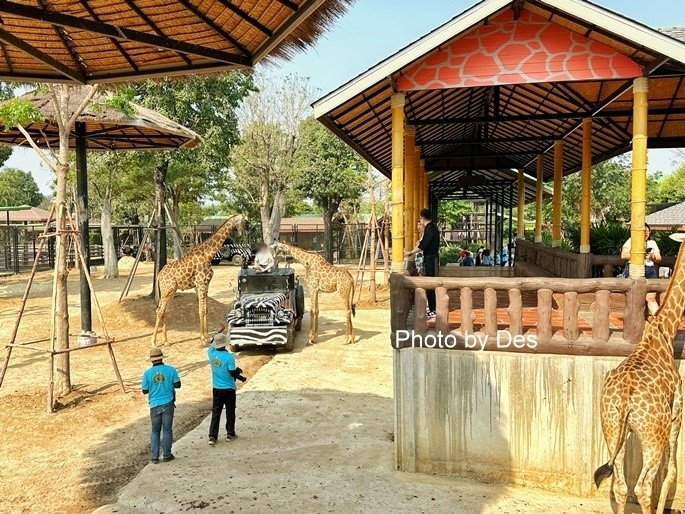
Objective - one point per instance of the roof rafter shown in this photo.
(106, 29)
(246, 17)
(34, 52)
(210, 23)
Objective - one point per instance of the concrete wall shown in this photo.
(507, 418)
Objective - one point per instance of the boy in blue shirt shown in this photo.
(159, 382)
(224, 374)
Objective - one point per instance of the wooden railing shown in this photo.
(409, 293)
(537, 259)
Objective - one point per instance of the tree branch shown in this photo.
(40, 153)
(89, 96)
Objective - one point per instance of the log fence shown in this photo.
(408, 294)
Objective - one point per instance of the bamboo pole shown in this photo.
(556, 202)
(521, 192)
(638, 187)
(409, 186)
(24, 298)
(397, 108)
(372, 229)
(585, 185)
(538, 197)
(51, 380)
(418, 204)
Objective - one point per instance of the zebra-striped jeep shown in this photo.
(268, 310)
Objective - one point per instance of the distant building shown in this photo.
(29, 216)
(666, 219)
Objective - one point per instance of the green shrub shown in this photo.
(449, 253)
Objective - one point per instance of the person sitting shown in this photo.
(487, 258)
(468, 260)
(263, 259)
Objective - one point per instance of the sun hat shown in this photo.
(156, 354)
(219, 340)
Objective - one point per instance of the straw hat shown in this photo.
(219, 340)
(156, 354)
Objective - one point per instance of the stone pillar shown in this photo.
(556, 202)
(397, 178)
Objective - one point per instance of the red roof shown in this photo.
(32, 215)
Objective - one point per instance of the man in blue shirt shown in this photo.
(159, 382)
(224, 374)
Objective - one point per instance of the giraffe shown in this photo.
(323, 277)
(194, 269)
(643, 395)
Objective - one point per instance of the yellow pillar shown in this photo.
(397, 111)
(521, 193)
(556, 201)
(538, 198)
(418, 187)
(409, 186)
(425, 184)
(585, 186)
(638, 187)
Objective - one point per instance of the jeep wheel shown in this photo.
(290, 339)
(215, 262)
(299, 307)
(237, 259)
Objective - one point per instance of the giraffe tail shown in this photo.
(606, 470)
(352, 305)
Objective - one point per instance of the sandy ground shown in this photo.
(315, 435)
(78, 458)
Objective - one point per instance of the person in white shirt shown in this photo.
(652, 258)
(263, 260)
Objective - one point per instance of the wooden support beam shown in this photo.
(246, 17)
(580, 115)
(515, 311)
(409, 186)
(121, 33)
(20, 44)
(466, 303)
(397, 107)
(521, 192)
(556, 201)
(538, 197)
(420, 306)
(600, 318)
(210, 23)
(490, 307)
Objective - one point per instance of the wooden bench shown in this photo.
(528, 269)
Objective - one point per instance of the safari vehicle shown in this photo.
(268, 310)
(235, 253)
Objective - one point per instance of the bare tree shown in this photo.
(262, 164)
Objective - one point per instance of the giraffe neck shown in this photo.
(671, 310)
(209, 247)
(299, 254)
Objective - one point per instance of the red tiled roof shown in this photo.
(32, 215)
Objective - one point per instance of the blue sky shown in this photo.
(374, 29)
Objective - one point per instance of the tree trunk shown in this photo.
(108, 248)
(328, 232)
(174, 213)
(271, 215)
(160, 218)
(372, 228)
(62, 372)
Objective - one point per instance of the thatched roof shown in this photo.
(88, 41)
(106, 128)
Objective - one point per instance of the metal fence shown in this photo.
(19, 243)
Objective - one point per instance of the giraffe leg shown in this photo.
(620, 486)
(676, 418)
(652, 455)
(314, 316)
(161, 318)
(202, 308)
(349, 329)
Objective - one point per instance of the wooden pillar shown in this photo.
(397, 111)
(520, 225)
(409, 186)
(538, 198)
(638, 187)
(425, 183)
(585, 185)
(556, 202)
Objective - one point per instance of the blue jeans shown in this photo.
(162, 418)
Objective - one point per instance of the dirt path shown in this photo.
(315, 435)
(79, 457)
